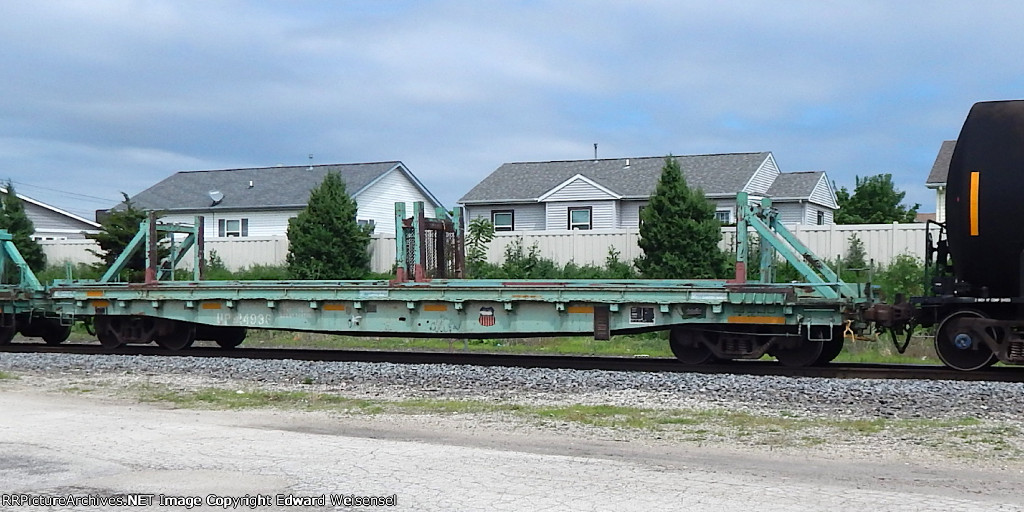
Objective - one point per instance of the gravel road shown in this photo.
(75, 426)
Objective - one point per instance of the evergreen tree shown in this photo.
(679, 233)
(875, 200)
(856, 256)
(118, 229)
(325, 240)
(14, 219)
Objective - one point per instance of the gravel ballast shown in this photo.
(847, 398)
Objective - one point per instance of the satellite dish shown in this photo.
(217, 196)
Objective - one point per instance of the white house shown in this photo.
(259, 201)
(52, 223)
(937, 178)
(609, 193)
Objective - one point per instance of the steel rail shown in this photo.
(575, 362)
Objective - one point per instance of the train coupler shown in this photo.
(891, 316)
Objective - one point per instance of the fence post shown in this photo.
(892, 241)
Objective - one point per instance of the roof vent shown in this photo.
(627, 164)
(217, 196)
(250, 184)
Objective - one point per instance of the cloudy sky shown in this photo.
(101, 97)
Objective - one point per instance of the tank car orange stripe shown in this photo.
(974, 202)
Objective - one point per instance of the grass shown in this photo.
(965, 436)
(216, 398)
(648, 345)
(7, 375)
(643, 345)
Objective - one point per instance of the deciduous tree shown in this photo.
(875, 200)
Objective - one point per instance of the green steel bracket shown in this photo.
(414, 260)
(10, 252)
(774, 237)
(193, 238)
(148, 238)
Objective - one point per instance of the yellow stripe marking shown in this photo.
(975, 177)
(334, 307)
(757, 319)
(435, 307)
(211, 305)
(582, 309)
(93, 293)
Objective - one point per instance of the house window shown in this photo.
(724, 216)
(821, 218)
(579, 218)
(640, 215)
(367, 224)
(503, 220)
(232, 227)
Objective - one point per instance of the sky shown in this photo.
(111, 96)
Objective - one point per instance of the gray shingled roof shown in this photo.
(525, 181)
(794, 184)
(272, 187)
(941, 166)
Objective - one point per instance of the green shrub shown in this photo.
(60, 271)
(904, 275)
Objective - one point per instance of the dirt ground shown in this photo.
(53, 442)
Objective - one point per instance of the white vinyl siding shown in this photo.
(52, 225)
(578, 190)
(822, 194)
(802, 212)
(528, 217)
(791, 213)
(629, 213)
(273, 223)
(377, 202)
(604, 214)
(940, 204)
(763, 177)
(812, 215)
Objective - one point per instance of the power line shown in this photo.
(94, 199)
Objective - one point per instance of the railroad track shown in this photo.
(633, 364)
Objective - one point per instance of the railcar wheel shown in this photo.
(174, 335)
(805, 353)
(106, 333)
(959, 346)
(688, 346)
(230, 337)
(55, 333)
(7, 333)
(830, 349)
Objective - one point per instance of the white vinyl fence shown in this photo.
(882, 242)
